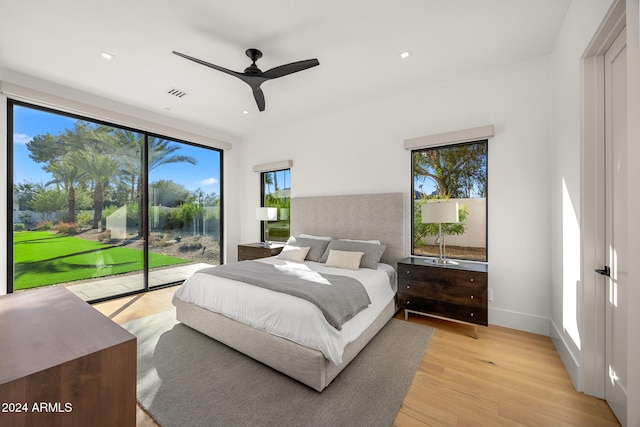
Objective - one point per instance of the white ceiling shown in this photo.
(357, 42)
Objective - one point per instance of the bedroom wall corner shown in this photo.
(567, 184)
(633, 134)
(234, 203)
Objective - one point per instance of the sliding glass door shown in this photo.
(184, 208)
(79, 188)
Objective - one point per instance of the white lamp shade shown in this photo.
(440, 212)
(267, 214)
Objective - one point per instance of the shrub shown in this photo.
(67, 228)
(18, 226)
(44, 225)
(84, 218)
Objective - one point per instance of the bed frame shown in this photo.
(368, 216)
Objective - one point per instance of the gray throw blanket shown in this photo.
(339, 300)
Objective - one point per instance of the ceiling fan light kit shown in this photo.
(253, 76)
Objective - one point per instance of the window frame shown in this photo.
(413, 198)
(262, 200)
(11, 103)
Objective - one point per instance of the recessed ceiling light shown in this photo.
(405, 54)
(106, 55)
(245, 112)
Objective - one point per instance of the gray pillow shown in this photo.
(316, 246)
(372, 252)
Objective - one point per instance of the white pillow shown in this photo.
(344, 259)
(293, 253)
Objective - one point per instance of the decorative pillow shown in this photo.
(317, 247)
(293, 253)
(344, 259)
(372, 251)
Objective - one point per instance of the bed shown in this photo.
(320, 351)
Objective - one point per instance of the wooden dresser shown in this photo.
(63, 363)
(450, 291)
(249, 251)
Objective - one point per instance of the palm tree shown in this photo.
(99, 168)
(67, 176)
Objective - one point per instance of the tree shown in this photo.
(49, 203)
(457, 171)
(99, 168)
(66, 175)
(167, 193)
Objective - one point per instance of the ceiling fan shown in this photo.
(253, 76)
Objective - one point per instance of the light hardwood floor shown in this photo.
(504, 378)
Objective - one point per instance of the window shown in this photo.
(93, 201)
(276, 193)
(458, 173)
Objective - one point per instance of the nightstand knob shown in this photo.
(472, 279)
(471, 314)
(408, 286)
(408, 271)
(471, 296)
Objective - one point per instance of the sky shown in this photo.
(29, 122)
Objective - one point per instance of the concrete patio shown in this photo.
(112, 286)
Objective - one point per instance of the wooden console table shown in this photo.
(63, 363)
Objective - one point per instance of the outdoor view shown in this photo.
(457, 173)
(276, 190)
(77, 191)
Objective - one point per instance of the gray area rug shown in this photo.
(187, 379)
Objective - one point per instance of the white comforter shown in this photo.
(288, 316)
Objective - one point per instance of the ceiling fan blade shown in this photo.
(259, 96)
(206, 64)
(293, 67)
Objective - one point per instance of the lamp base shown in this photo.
(444, 261)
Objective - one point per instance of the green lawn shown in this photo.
(46, 258)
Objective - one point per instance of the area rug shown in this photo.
(187, 379)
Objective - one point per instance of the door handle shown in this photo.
(606, 271)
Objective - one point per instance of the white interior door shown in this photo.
(616, 238)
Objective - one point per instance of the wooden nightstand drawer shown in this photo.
(473, 296)
(471, 313)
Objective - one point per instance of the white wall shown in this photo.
(361, 151)
(580, 25)
(633, 135)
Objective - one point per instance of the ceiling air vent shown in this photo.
(177, 92)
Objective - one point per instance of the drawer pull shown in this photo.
(471, 296)
(471, 279)
(408, 271)
(408, 286)
(471, 314)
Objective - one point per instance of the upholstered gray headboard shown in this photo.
(357, 216)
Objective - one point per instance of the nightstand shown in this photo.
(249, 251)
(455, 292)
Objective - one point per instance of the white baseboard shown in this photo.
(520, 321)
(570, 359)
